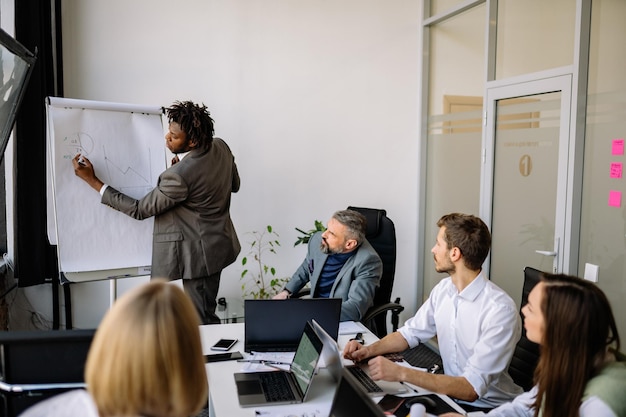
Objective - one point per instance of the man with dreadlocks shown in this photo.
(194, 237)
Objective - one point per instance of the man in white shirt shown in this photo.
(476, 323)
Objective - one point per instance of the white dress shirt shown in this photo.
(476, 330)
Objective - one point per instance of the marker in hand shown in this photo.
(81, 161)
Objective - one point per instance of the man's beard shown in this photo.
(446, 269)
(326, 249)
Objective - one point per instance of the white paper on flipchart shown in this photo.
(126, 145)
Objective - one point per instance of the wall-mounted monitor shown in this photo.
(16, 65)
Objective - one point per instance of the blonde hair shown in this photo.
(146, 356)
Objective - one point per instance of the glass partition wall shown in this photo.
(603, 225)
(576, 216)
(454, 124)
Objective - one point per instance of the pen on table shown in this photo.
(264, 362)
(273, 366)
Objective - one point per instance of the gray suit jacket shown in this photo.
(193, 233)
(355, 284)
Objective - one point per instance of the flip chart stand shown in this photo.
(66, 279)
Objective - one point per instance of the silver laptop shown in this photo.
(283, 387)
(334, 363)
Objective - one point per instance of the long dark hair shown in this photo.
(579, 327)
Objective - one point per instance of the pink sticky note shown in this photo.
(615, 198)
(617, 147)
(616, 170)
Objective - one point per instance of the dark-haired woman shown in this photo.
(580, 371)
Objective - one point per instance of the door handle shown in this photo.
(546, 252)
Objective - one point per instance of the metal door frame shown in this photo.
(526, 86)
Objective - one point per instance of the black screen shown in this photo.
(272, 325)
(16, 65)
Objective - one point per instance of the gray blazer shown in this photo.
(355, 284)
(193, 233)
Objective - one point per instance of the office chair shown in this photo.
(36, 365)
(381, 234)
(526, 354)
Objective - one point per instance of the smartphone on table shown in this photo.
(224, 344)
(390, 403)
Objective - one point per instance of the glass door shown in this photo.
(524, 178)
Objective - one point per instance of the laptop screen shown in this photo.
(275, 325)
(306, 358)
(351, 400)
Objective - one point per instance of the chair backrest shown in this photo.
(381, 234)
(526, 353)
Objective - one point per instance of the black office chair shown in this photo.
(381, 234)
(526, 354)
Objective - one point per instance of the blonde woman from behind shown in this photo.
(145, 360)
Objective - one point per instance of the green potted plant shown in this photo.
(260, 281)
(319, 227)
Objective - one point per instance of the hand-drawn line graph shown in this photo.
(129, 180)
(135, 181)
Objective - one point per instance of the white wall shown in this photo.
(318, 100)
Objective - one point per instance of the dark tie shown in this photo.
(175, 159)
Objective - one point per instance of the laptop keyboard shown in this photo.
(276, 387)
(364, 379)
(422, 356)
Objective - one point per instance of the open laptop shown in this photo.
(283, 387)
(350, 400)
(276, 325)
(333, 361)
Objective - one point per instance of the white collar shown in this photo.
(182, 155)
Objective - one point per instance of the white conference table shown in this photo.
(223, 400)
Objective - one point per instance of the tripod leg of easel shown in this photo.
(112, 291)
(67, 296)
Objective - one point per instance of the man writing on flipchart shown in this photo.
(194, 237)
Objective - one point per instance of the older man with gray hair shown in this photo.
(340, 263)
